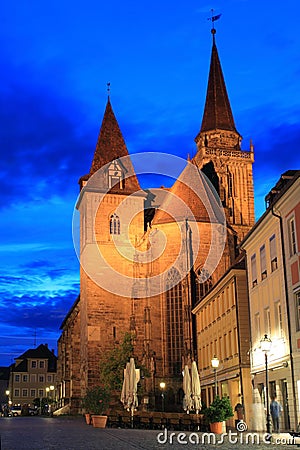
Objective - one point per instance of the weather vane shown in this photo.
(213, 19)
(108, 88)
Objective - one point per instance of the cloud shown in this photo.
(36, 310)
(45, 143)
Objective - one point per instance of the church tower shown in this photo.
(219, 153)
(111, 206)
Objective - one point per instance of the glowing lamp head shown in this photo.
(265, 344)
(215, 362)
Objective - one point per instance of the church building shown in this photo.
(148, 257)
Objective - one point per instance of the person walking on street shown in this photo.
(275, 410)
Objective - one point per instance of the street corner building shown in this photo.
(141, 271)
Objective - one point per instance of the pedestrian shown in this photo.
(239, 411)
(275, 410)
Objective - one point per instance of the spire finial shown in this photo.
(108, 88)
(213, 19)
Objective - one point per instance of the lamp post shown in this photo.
(162, 386)
(265, 345)
(7, 407)
(48, 398)
(215, 364)
(52, 398)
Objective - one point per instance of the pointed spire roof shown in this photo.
(111, 146)
(217, 111)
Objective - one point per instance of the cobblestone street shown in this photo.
(45, 433)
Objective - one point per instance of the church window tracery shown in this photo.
(114, 224)
(204, 283)
(174, 321)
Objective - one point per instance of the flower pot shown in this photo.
(216, 427)
(88, 418)
(99, 421)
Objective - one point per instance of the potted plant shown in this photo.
(218, 411)
(96, 402)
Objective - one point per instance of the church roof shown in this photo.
(217, 112)
(189, 198)
(111, 146)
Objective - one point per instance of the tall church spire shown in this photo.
(111, 148)
(111, 144)
(217, 111)
(219, 153)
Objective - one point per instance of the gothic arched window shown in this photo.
(114, 224)
(204, 283)
(174, 321)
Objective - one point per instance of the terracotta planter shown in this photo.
(216, 427)
(88, 418)
(99, 421)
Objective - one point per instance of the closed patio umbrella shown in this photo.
(187, 399)
(129, 396)
(196, 388)
(125, 387)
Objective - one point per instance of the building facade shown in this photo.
(125, 225)
(273, 282)
(68, 367)
(32, 376)
(223, 331)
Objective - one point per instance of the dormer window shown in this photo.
(115, 175)
(114, 224)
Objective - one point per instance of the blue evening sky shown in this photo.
(56, 60)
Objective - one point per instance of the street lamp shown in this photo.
(265, 345)
(215, 364)
(51, 388)
(7, 392)
(162, 386)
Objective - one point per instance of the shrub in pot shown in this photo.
(96, 401)
(218, 411)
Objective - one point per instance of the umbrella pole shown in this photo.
(131, 417)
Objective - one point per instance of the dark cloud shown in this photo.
(46, 147)
(45, 267)
(36, 310)
(37, 264)
(7, 280)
